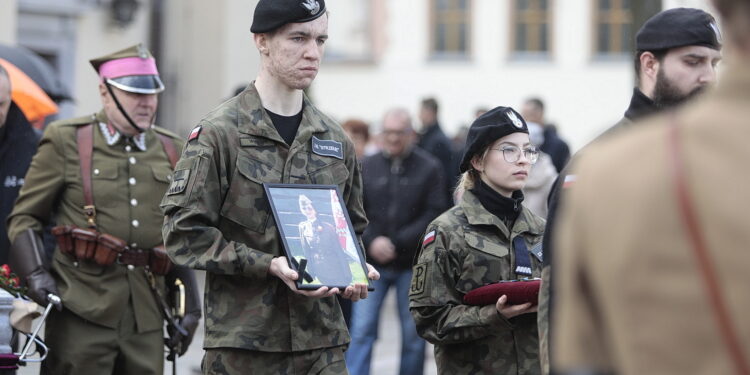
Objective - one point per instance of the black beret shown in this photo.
(272, 14)
(678, 27)
(488, 128)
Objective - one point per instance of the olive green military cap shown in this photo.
(132, 69)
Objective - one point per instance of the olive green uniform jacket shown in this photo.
(472, 248)
(219, 219)
(127, 184)
(630, 297)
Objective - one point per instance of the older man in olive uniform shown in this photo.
(101, 176)
(652, 261)
(218, 217)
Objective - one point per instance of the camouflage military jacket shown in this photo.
(472, 247)
(219, 219)
(127, 184)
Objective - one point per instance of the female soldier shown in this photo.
(485, 238)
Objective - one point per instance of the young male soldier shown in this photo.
(100, 177)
(219, 219)
(678, 50)
(651, 274)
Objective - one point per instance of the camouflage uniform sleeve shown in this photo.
(437, 305)
(191, 207)
(43, 183)
(352, 195)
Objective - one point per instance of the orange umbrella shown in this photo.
(27, 95)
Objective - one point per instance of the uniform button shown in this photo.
(135, 223)
(128, 148)
(75, 264)
(96, 171)
(133, 245)
(169, 177)
(132, 160)
(133, 202)
(130, 267)
(131, 180)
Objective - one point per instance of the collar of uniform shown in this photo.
(476, 214)
(252, 118)
(139, 140)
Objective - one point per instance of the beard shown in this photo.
(668, 95)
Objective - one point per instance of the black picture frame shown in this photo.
(320, 244)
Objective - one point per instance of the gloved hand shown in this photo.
(181, 342)
(41, 284)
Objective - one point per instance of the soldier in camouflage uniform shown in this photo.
(488, 237)
(109, 322)
(219, 219)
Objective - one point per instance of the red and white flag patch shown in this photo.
(195, 133)
(428, 238)
(569, 181)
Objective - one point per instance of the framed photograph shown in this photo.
(317, 234)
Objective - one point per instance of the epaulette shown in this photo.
(166, 132)
(77, 121)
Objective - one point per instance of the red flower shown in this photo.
(4, 270)
(15, 282)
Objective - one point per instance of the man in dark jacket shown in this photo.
(552, 144)
(18, 142)
(433, 140)
(404, 190)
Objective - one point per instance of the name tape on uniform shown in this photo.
(327, 147)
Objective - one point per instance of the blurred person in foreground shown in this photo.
(664, 290)
(18, 143)
(678, 50)
(99, 178)
(487, 237)
(218, 217)
(403, 192)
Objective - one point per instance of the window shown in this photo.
(613, 21)
(350, 32)
(531, 27)
(450, 28)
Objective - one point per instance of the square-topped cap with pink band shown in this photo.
(132, 69)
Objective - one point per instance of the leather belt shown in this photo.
(134, 257)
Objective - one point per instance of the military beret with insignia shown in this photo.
(678, 27)
(132, 69)
(272, 14)
(489, 127)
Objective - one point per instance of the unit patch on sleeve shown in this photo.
(179, 181)
(327, 147)
(418, 279)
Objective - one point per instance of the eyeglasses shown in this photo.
(512, 154)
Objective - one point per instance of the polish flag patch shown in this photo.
(569, 181)
(195, 133)
(428, 238)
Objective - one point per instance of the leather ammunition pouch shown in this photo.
(64, 239)
(105, 249)
(108, 248)
(84, 243)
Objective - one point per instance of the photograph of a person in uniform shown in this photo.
(326, 259)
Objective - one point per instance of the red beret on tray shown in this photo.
(518, 292)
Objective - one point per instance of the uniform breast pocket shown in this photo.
(487, 261)
(246, 203)
(334, 173)
(105, 183)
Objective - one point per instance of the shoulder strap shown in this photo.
(85, 139)
(169, 148)
(700, 250)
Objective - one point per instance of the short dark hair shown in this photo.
(536, 102)
(430, 103)
(658, 54)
